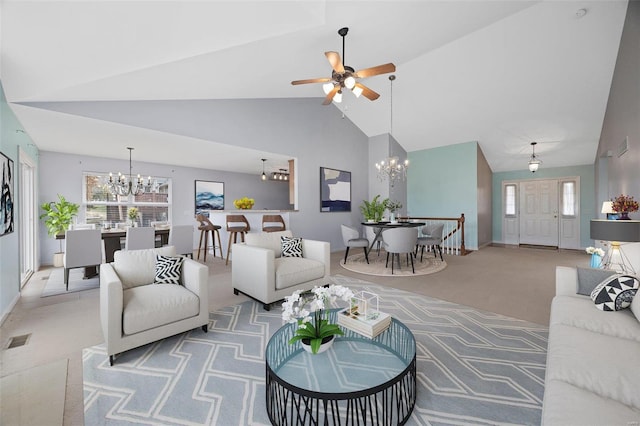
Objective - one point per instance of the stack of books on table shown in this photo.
(369, 325)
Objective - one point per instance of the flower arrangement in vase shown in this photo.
(244, 203)
(309, 310)
(133, 214)
(393, 206)
(596, 256)
(624, 205)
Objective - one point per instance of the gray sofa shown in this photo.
(593, 360)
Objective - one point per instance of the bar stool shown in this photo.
(205, 227)
(273, 223)
(236, 224)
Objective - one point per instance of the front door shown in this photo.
(539, 212)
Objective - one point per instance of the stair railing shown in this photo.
(452, 235)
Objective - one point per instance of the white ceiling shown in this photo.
(503, 73)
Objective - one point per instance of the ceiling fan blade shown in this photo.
(368, 93)
(330, 96)
(311, 80)
(380, 69)
(335, 61)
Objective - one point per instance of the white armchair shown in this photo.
(259, 271)
(134, 311)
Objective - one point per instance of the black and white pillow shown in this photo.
(615, 293)
(168, 269)
(291, 246)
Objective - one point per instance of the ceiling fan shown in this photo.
(344, 76)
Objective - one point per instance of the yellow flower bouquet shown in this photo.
(244, 203)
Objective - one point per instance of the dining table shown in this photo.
(113, 241)
(381, 226)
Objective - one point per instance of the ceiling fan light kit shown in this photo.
(346, 77)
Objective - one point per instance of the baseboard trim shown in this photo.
(12, 305)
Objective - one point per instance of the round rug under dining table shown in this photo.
(376, 266)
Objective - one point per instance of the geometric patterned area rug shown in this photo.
(55, 284)
(473, 367)
(377, 265)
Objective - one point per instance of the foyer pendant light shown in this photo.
(263, 177)
(534, 163)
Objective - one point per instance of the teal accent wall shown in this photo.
(443, 182)
(587, 195)
(12, 136)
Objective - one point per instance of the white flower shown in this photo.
(599, 252)
(590, 250)
(299, 305)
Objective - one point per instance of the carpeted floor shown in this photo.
(55, 284)
(474, 367)
(378, 265)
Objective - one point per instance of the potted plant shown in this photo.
(308, 309)
(57, 217)
(374, 209)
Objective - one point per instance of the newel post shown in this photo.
(463, 251)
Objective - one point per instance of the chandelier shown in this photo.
(391, 167)
(121, 186)
(534, 163)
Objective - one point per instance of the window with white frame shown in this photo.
(104, 208)
(510, 200)
(568, 198)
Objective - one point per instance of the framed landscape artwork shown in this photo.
(335, 190)
(209, 196)
(6, 195)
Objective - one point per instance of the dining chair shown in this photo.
(351, 238)
(432, 238)
(273, 223)
(140, 238)
(83, 247)
(400, 240)
(370, 233)
(181, 237)
(205, 227)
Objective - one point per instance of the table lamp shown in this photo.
(616, 231)
(607, 208)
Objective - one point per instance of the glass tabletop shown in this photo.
(352, 364)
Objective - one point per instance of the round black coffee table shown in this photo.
(357, 381)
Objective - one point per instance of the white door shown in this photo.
(539, 212)
(28, 211)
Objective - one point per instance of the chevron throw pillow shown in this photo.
(291, 246)
(168, 269)
(615, 293)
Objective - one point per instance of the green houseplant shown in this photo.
(374, 209)
(57, 217)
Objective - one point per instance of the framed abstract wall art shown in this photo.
(335, 190)
(6, 195)
(209, 196)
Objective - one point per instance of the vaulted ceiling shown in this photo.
(503, 73)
